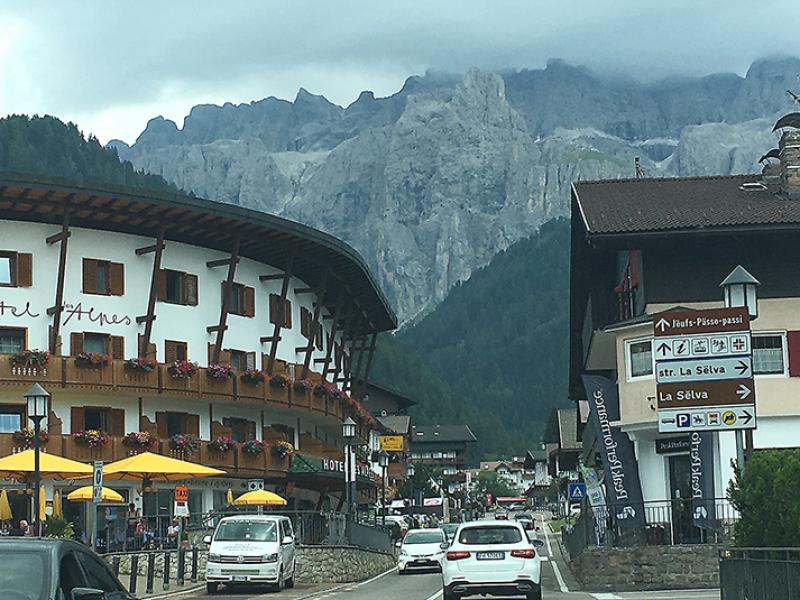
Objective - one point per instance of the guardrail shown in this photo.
(127, 566)
(759, 573)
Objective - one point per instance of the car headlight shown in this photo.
(214, 558)
(270, 558)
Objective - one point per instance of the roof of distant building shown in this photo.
(568, 429)
(397, 423)
(442, 433)
(402, 400)
(493, 465)
(644, 205)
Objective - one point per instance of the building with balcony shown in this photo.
(442, 447)
(177, 316)
(643, 246)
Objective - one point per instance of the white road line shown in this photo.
(436, 595)
(561, 583)
(606, 597)
(368, 581)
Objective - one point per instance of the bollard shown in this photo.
(194, 564)
(115, 566)
(151, 572)
(134, 574)
(181, 565)
(166, 570)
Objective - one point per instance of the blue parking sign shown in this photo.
(576, 492)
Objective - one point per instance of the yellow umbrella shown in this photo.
(42, 504)
(260, 498)
(5, 507)
(19, 466)
(155, 468)
(58, 511)
(230, 496)
(86, 493)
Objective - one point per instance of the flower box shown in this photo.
(278, 388)
(126, 376)
(30, 358)
(222, 444)
(184, 443)
(93, 438)
(92, 360)
(141, 440)
(81, 373)
(25, 436)
(189, 386)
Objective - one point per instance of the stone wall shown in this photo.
(647, 568)
(340, 564)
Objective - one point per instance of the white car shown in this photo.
(251, 549)
(492, 557)
(421, 549)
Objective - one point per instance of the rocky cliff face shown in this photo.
(430, 183)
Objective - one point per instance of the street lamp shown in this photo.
(410, 471)
(37, 400)
(383, 461)
(348, 433)
(740, 291)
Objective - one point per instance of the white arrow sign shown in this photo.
(662, 324)
(743, 391)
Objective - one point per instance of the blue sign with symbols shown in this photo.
(576, 492)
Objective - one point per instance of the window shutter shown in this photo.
(161, 284)
(251, 430)
(210, 352)
(116, 278)
(249, 302)
(77, 419)
(251, 360)
(225, 356)
(273, 308)
(89, 276)
(117, 422)
(304, 321)
(287, 314)
(793, 346)
(193, 424)
(319, 336)
(170, 352)
(24, 270)
(117, 347)
(162, 425)
(190, 289)
(75, 344)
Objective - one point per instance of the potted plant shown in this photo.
(25, 436)
(141, 364)
(139, 439)
(184, 442)
(182, 369)
(30, 358)
(222, 444)
(282, 449)
(279, 381)
(220, 371)
(92, 360)
(320, 390)
(253, 447)
(303, 385)
(254, 376)
(334, 393)
(94, 438)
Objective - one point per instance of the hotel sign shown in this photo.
(392, 443)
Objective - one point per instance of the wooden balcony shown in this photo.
(75, 375)
(179, 387)
(135, 380)
(301, 398)
(278, 394)
(248, 391)
(319, 403)
(216, 388)
(25, 376)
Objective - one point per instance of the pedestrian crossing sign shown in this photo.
(576, 492)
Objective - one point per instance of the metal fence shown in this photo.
(759, 573)
(667, 522)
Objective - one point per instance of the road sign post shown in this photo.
(576, 492)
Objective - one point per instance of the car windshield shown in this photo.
(489, 535)
(423, 537)
(23, 575)
(246, 531)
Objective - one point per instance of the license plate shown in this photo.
(240, 577)
(490, 555)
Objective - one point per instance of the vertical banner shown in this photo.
(701, 460)
(623, 487)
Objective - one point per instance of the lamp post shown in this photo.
(37, 399)
(410, 472)
(740, 292)
(383, 461)
(348, 433)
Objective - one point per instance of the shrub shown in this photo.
(58, 527)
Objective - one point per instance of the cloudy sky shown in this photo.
(112, 65)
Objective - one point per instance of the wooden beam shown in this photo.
(315, 324)
(299, 349)
(226, 298)
(339, 364)
(372, 347)
(319, 361)
(148, 249)
(272, 277)
(354, 374)
(337, 313)
(151, 298)
(57, 237)
(276, 332)
(62, 270)
(304, 290)
(213, 328)
(145, 319)
(268, 338)
(224, 262)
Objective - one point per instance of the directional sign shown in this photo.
(705, 393)
(576, 491)
(701, 346)
(97, 482)
(719, 418)
(721, 320)
(704, 369)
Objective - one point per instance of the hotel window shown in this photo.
(174, 351)
(103, 277)
(640, 359)
(16, 269)
(275, 312)
(99, 343)
(176, 287)
(242, 361)
(97, 418)
(242, 300)
(110, 420)
(11, 416)
(241, 429)
(176, 423)
(768, 353)
(12, 341)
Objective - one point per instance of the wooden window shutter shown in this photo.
(305, 322)
(210, 352)
(251, 430)
(24, 264)
(162, 425)
(89, 276)
(225, 356)
(161, 284)
(193, 424)
(319, 335)
(117, 422)
(249, 297)
(251, 360)
(117, 347)
(170, 352)
(273, 309)
(287, 314)
(75, 344)
(116, 278)
(793, 347)
(190, 289)
(77, 419)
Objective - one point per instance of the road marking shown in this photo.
(376, 577)
(436, 595)
(561, 583)
(606, 597)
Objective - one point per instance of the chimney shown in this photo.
(790, 163)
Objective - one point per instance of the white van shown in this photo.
(251, 549)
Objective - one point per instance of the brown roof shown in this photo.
(685, 203)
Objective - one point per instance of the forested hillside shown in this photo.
(497, 346)
(48, 146)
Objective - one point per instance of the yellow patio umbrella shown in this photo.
(5, 507)
(155, 468)
(20, 465)
(86, 493)
(260, 498)
(230, 496)
(42, 504)
(58, 510)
